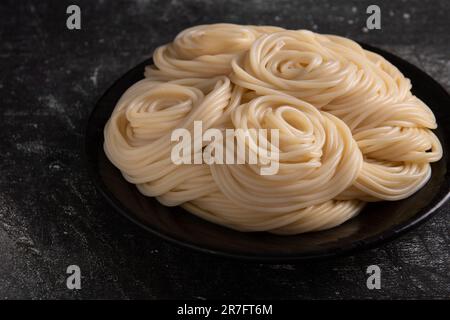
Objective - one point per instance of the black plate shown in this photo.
(377, 223)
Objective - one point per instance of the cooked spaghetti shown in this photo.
(350, 130)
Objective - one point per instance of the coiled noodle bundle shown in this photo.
(350, 130)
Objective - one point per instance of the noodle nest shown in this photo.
(350, 130)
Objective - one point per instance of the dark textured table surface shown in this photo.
(51, 215)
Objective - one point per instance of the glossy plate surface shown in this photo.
(377, 223)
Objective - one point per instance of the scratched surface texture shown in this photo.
(50, 214)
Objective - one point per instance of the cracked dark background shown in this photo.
(51, 215)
